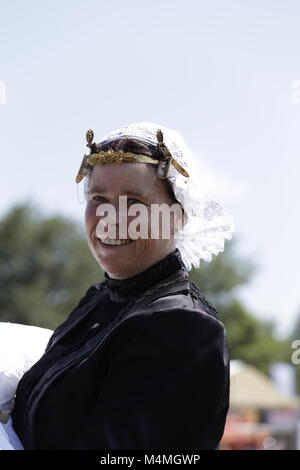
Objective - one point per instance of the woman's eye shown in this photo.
(97, 198)
(134, 201)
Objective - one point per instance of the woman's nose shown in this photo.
(114, 223)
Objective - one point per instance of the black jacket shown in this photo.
(141, 363)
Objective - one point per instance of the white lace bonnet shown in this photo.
(208, 224)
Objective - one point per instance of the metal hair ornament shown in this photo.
(97, 157)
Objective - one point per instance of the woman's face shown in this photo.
(138, 182)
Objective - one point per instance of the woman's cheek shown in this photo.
(90, 214)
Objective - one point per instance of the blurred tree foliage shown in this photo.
(249, 338)
(46, 267)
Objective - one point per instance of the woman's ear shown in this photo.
(184, 217)
(181, 219)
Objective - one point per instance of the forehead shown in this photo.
(135, 178)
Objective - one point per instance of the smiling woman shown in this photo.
(142, 361)
(140, 253)
(106, 184)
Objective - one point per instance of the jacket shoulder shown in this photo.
(185, 294)
(75, 313)
(85, 300)
(184, 313)
(201, 300)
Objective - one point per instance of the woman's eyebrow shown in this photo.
(134, 192)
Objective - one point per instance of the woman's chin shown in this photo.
(116, 269)
(115, 258)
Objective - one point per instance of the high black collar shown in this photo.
(123, 290)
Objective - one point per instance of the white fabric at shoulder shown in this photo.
(20, 347)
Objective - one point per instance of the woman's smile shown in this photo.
(114, 243)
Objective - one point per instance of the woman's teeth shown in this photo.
(107, 241)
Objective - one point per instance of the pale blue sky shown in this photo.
(220, 72)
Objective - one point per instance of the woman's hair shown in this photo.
(134, 145)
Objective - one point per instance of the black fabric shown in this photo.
(119, 375)
(122, 290)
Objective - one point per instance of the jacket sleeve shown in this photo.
(167, 388)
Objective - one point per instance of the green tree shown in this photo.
(249, 338)
(45, 267)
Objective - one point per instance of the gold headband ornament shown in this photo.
(109, 156)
